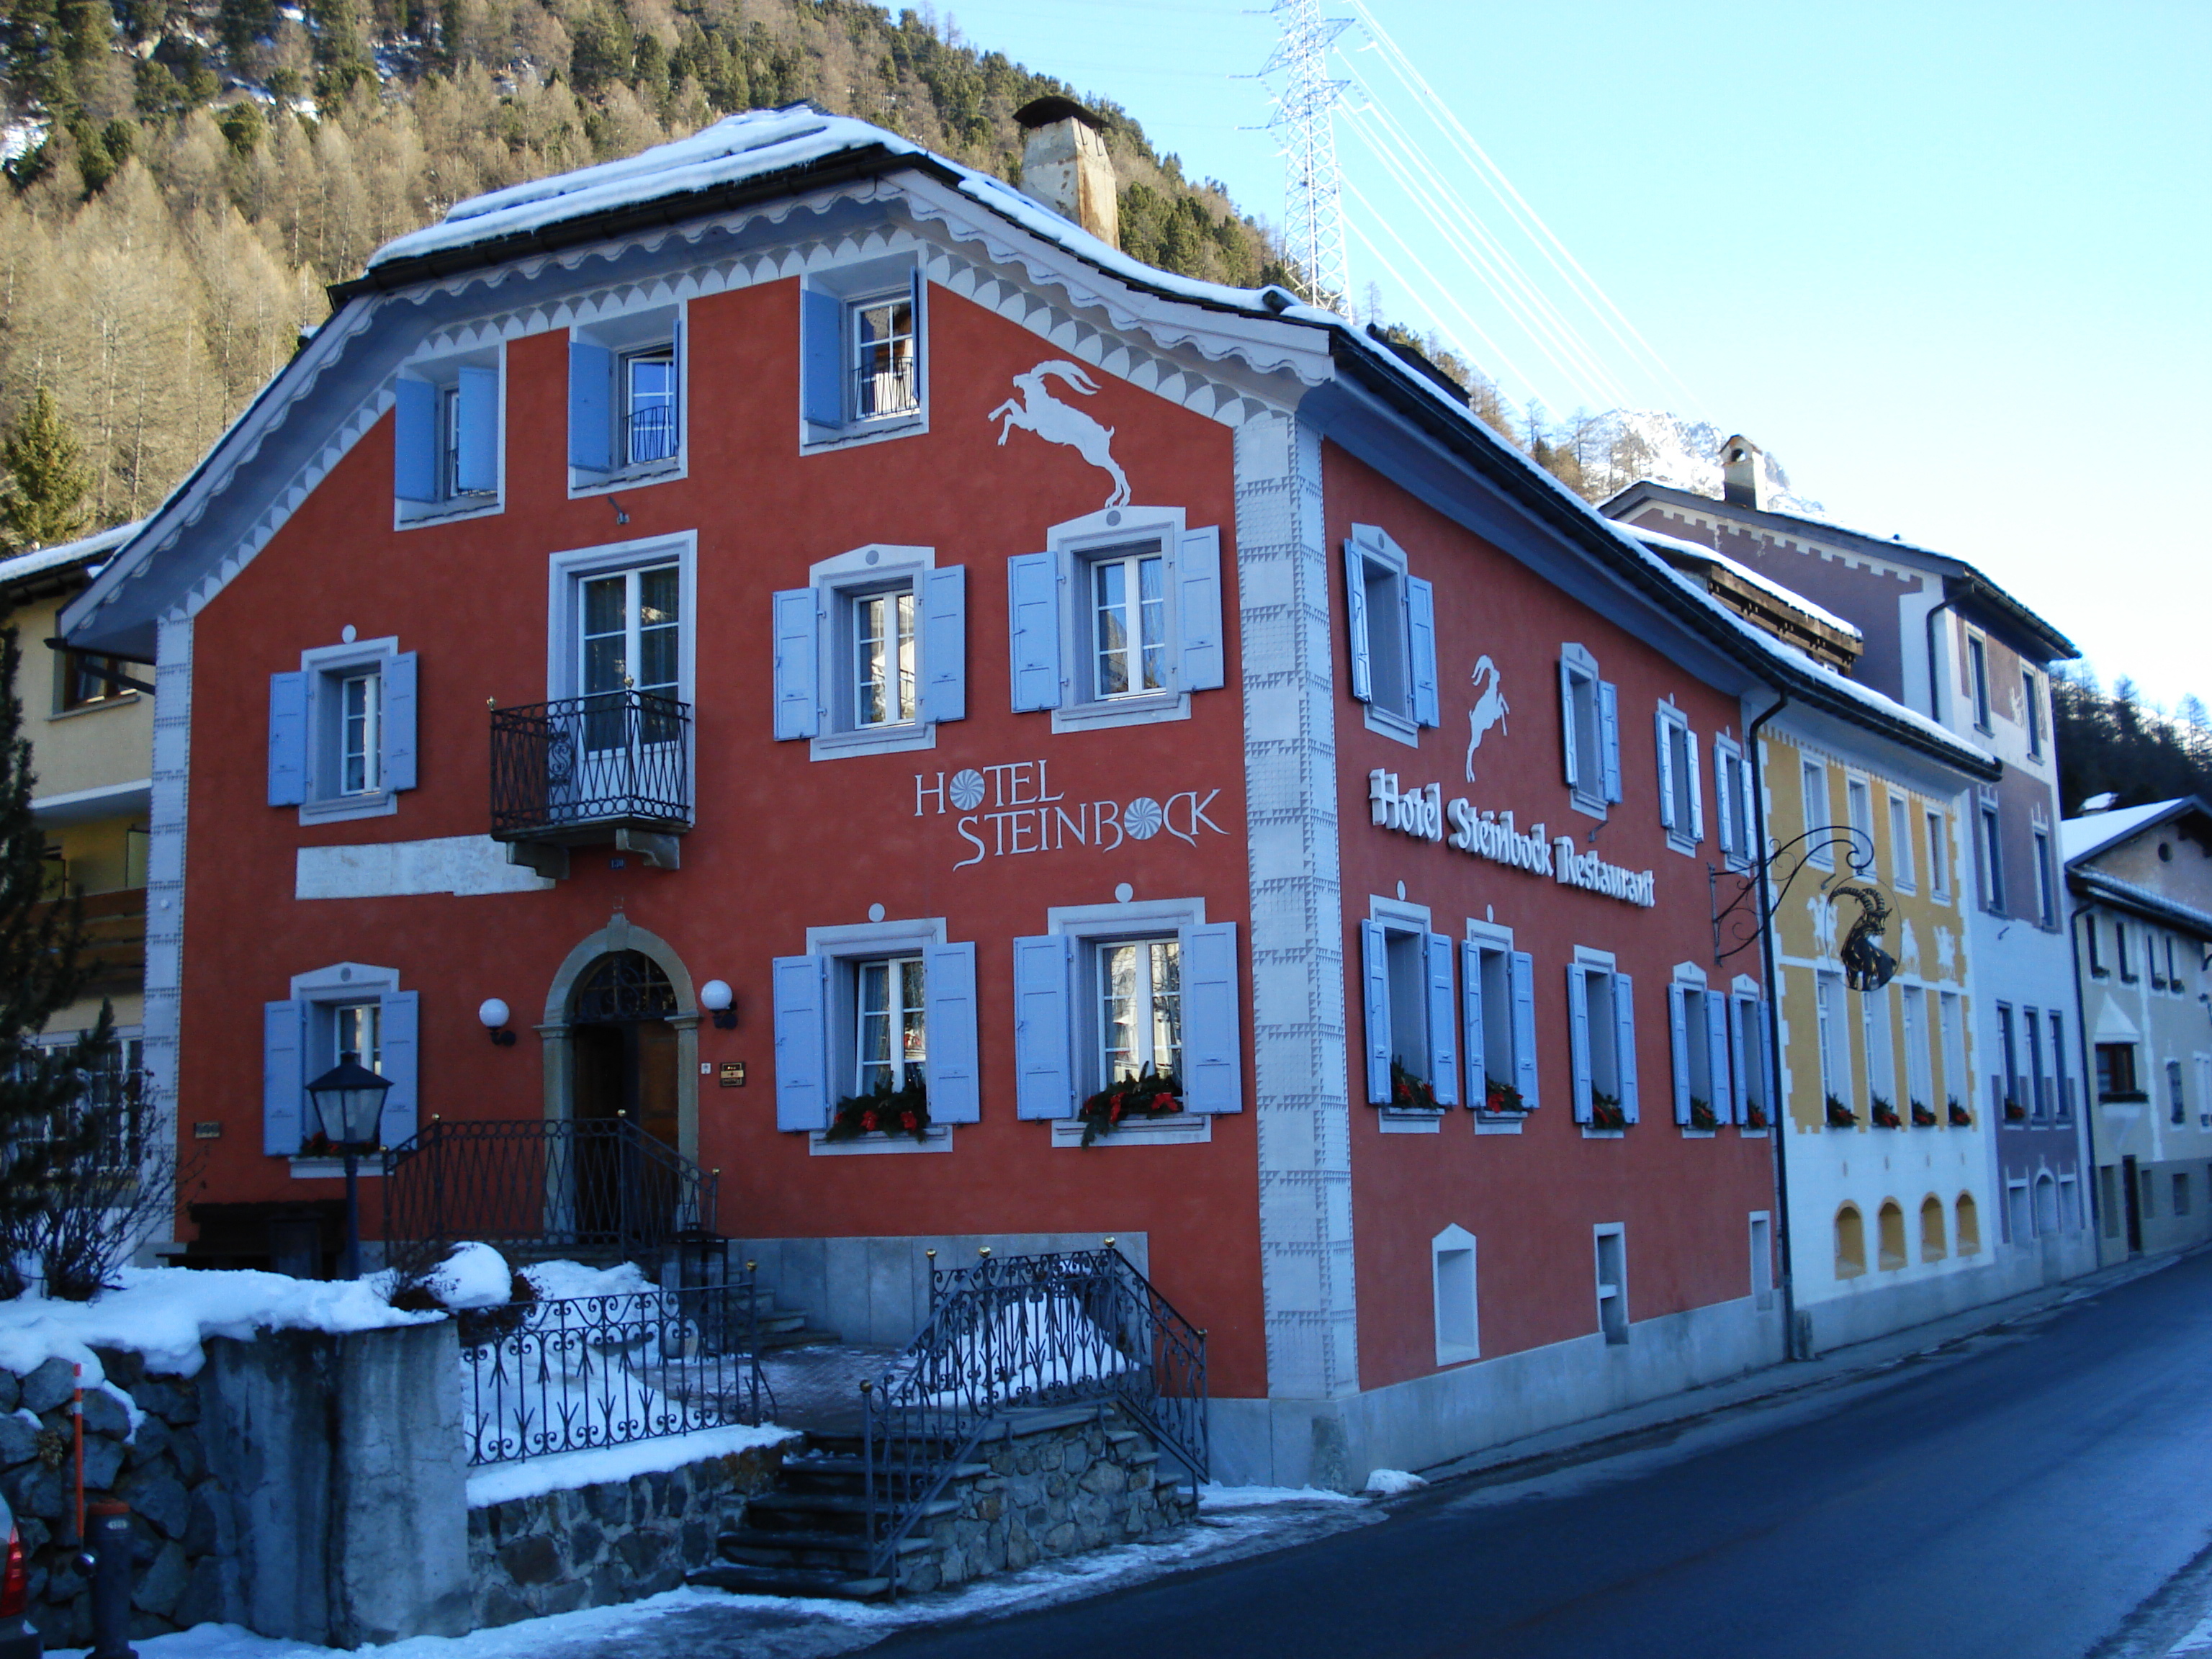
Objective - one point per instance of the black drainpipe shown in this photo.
(2085, 1130)
(1778, 1108)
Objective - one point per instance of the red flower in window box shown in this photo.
(1148, 1094)
(1960, 1117)
(883, 1109)
(1885, 1114)
(1412, 1093)
(1841, 1117)
(1502, 1098)
(1922, 1116)
(2014, 1112)
(1606, 1111)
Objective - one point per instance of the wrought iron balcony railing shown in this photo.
(649, 435)
(613, 759)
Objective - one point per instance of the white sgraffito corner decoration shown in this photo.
(1037, 411)
(1490, 709)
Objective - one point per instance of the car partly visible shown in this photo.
(17, 1639)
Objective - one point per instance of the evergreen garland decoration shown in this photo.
(1502, 1098)
(1411, 1093)
(1841, 1117)
(1701, 1113)
(1606, 1111)
(882, 1110)
(1148, 1094)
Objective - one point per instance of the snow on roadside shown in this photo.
(1212, 1496)
(559, 1281)
(1393, 1483)
(502, 1483)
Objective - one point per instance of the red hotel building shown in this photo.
(850, 581)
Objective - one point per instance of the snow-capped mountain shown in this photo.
(1628, 444)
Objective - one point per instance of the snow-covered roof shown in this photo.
(2148, 901)
(2091, 834)
(1744, 573)
(60, 556)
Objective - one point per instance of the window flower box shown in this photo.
(1922, 1116)
(1606, 1112)
(1884, 1114)
(882, 1110)
(1754, 1116)
(2013, 1111)
(1702, 1115)
(1409, 1093)
(1960, 1117)
(1841, 1117)
(1502, 1098)
(1149, 1094)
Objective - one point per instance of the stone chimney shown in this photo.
(1065, 166)
(1742, 482)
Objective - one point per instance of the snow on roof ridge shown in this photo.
(2148, 896)
(2092, 832)
(63, 553)
(1788, 596)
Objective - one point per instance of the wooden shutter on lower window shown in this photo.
(1044, 1059)
(1717, 1057)
(955, 1066)
(398, 1020)
(396, 729)
(1356, 622)
(1033, 627)
(283, 1077)
(1421, 636)
(822, 358)
(1477, 1051)
(801, 988)
(1624, 1022)
(287, 738)
(1678, 1031)
(476, 437)
(1197, 583)
(415, 442)
(1443, 1020)
(1213, 1026)
(591, 407)
(945, 645)
(1609, 733)
(1524, 1028)
(1578, 1038)
(798, 646)
(1375, 974)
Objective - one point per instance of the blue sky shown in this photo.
(1947, 262)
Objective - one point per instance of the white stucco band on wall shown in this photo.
(465, 865)
(1433, 1419)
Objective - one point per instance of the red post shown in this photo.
(76, 1429)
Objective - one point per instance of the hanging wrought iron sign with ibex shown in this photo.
(1737, 925)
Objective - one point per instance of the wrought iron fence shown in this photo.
(649, 434)
(587, 1371)
(613, 757)
(895, 389)
(1082, 1327)
(534, 1186)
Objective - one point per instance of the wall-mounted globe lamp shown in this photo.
(715, 996)
(492, 1013)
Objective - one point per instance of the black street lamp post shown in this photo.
(349, 1104)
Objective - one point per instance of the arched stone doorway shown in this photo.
(621, 1033)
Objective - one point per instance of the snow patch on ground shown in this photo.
(1393, 1483)
(473, 1276)
(560, 1281)
(533, 1477)
(1212, 1496)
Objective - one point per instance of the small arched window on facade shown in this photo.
(1850, 1242)
(1892, 1220)
(1933, 1247)
(1970, 1226)
(2046, 1202)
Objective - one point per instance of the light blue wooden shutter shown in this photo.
(397, 729)
(802, 1042)
(1723, 809)
(920, 292)
(798, 684)
(1374, 969)
(821, 357)
(288, 740)
(1421, 631)
(1678, 1028)
(1717, 1057)
(1697, 788)
(398, 1021)
(1660, 723)
(1524, 1028)
(678, 380)
(1624, 1025)
(1578, 1039)
(415, 442)
(1355, 622)
(1608, 735)
(955, 1065)
(1478, 1050)
(1198, 579)
(1567, 745)
(1739, 1057)
(1044, 1062)
(1444, 1022)
(284, 1080)
(591, 407)
(1033, 622)
(475, 420)
(1213, 1049)
(945, 644)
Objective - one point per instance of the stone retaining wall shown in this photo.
(184, 1538)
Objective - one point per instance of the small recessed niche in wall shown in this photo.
(1451, 1255)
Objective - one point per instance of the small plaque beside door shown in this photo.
(733, 1074)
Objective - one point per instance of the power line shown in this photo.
(1313, 211)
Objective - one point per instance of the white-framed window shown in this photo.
(2046, 886)
(1813, 795)
(1751, 1100)
(341, 730)
(1880, 1049)
(1858, 807)
(1119, 622)
(1390, 627)
(1452, 1282)
(621, 618)
(627, 375)
(1589, 732)
(1610, 1240)
(1699, 1044)
(1602, 1030)
(446, 440)
(1732, 802)
(1499, 993)
(1410, 1023)
(1939, 855)
(1919, 1070)
(1991, 842)
(1681, 793)
(1957, 1087)
(1978, 676)
(349, 1007)
(872, 655)
(1902, 871)
(1835, 1043)
(863, 334)
(1115, 987)
(874, 1004)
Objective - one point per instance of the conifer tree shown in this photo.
(42, 495)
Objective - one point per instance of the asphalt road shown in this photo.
(2018, 1496)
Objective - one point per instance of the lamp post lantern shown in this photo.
(350, 1104)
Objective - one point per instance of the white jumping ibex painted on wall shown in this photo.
(1037, 411)
(1490, 709)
